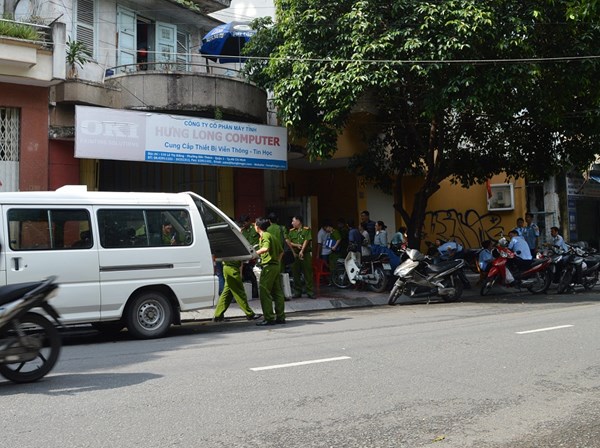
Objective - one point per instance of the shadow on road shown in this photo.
(74, 384)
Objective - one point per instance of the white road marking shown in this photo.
(544, 329)
(301, 363)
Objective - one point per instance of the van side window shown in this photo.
(49, 229)
(121, 228)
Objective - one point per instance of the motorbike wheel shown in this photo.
(590, 282)
(396, 292)
(457, 283)
(39, 333)
(487, 286)
(339, 277)
(565, 280)
(544, 279)
(382, 280)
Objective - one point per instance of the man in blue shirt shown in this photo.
(521, 249)
(519, 246)
(520, 229)
(531, 232)
(354, 237)
(558, 240)
(450, 251)
(485, 255)
(365, 216)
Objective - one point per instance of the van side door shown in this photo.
(46, 240)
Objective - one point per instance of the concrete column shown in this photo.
(59, 55)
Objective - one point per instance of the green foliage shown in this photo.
(441, 111)
(77, 53)
(18, 30)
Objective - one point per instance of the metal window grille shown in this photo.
(10, 119)
(9, 135)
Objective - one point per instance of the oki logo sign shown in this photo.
(119, 129)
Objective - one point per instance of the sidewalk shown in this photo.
(329, 298)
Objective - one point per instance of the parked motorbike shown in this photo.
(536, 276)
(419, 277)
(29, 342)
(581, 268)
(373, 271)
(558, 261)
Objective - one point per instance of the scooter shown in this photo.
(558, 259)
(536, 277)
(29, 342)
(581, 269)
(373, 271)
(419, 277)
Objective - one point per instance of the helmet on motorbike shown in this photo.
(503, 242)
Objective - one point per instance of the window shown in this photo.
(182, 51)
(121, 228)
(85, 26)
(9, 148)
(49, 229)
(502, 197)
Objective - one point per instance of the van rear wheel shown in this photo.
(149, 315)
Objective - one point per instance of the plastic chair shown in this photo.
(320, 271)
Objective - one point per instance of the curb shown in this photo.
(330, 299)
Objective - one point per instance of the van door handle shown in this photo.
(16, 263)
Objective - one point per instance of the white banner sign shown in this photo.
(116, 134)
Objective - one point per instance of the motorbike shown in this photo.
(373, 271)
(419, 277)
(558, 261)
(29, 342)
(581, 268)
(536, 276)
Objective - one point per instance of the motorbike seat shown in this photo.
(444, 266)
(377, 257)
(537, 261)
(10, 293)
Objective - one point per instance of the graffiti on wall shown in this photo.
(468, 229)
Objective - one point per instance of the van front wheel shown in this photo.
(149, 315)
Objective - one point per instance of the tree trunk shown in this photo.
(415, 221)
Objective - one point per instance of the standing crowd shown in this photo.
(281, 249)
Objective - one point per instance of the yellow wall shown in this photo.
(454, 213)
(461, 214)
(226, 198)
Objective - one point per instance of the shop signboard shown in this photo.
(102, 133)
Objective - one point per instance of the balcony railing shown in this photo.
(27, 32)
(167, 67)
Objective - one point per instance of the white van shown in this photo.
(122, 259)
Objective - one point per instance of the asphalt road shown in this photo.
(494, 372)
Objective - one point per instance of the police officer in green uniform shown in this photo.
(233, 288)
(300, 240)
(270, 252)
(247, 229)
(280, 233)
